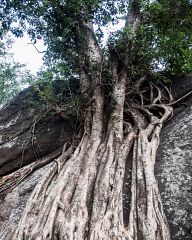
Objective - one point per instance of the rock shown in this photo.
(173, 168)
(173, 165)
(12, 204)
(174, 174)
(181, 85)
(29, 131)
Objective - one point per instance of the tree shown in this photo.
(13, 76)
(125, 102)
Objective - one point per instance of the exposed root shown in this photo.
(158, 98)
(85, 198)
(147, 220)
(181, 99)
(80, 197)
(12, 180)
(168, 93)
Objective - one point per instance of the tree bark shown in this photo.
(81, 195)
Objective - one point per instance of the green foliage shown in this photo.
(59, 23)
(170, 33)
(13, 76)
(58, 94)
(163, 41)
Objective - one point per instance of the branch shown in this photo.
(94, 52)
(90, 57)
(133, 17)
(37, 48)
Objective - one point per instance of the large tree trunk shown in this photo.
(81, 195)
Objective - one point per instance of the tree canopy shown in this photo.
(163, 41)
(121, 103)
(13, 75)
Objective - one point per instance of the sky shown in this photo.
(24, 52)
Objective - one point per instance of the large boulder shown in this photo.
(29, 131)
(173, 165)
(173, 168)
(174, 174)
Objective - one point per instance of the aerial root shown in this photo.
(159, 95)
(180, 99)
(147, 217)
(54, 199)
(47, 197)
(80, 196)
(12, 180)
